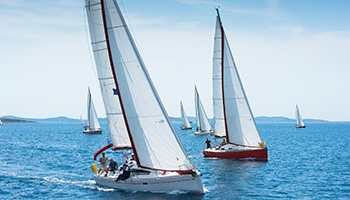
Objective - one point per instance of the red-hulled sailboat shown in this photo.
(233, 117)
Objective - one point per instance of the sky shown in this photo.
(287, 52)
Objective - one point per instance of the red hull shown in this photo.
(260, 154)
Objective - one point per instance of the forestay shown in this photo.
(240, 125)
(152, 135)
(116, 123)
(92, 115)
(185, 121)
(219, 121)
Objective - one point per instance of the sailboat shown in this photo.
(186, 124)
(233, 117)
(203, 125)
(161, 163)
(81, 120)
(300, 123)
(93, 126)
(0, 122)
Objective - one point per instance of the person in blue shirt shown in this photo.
(113, 166)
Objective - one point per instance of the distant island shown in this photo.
(8, 120)
(63, 119)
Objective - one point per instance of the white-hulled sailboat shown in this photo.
(161, 163)
(233, 116)
(300, 123)
(81, 120)
(202, 121)
(186, 124)
(93, 126)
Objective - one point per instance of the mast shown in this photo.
(197, 107)
(89, 108)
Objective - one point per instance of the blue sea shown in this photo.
(52, 161)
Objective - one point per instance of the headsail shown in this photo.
(92, 115)
(153, 138)
(185, 121)
(219, 120)
(116, 123)
(239, 121)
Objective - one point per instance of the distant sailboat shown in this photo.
(300, 123)
(233, 117)
(81, 120)
(203, 125)
(93, 126)
(161, 163)
(0, 122)
(186, 124)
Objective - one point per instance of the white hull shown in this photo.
(92, 131)
(202, 132)
(155, 181)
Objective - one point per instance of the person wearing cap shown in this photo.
(103, 161)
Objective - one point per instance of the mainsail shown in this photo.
(219, 120)
(153, 138)
(116, 123)
(185, 121)
(239, 121)
(298, 117)
(201, 116)
(92, 115)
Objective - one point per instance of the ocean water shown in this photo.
(52, 161)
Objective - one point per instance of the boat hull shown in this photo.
(259, 154)
(202, 132)
(89, 131)
(185, 128)
(186, 183)
(298, 126)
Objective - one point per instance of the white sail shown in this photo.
(0, 122)
(92, 115)
(240, 125)
(185, 121)
(116, 123)
(201, 116)
(219, 120)
(298, 117)
(81, 120)
(153, 138)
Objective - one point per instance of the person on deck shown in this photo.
(223, 142)
(126, 173)
(103, 161)
(208, 143)
(113, 166)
